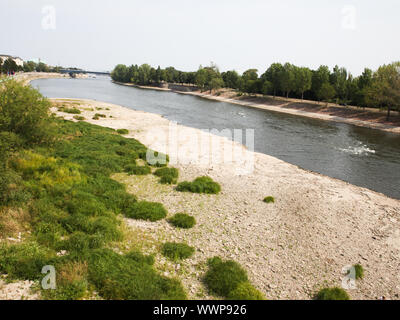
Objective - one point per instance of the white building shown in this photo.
(17, 60)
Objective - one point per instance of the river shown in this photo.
(365, 157)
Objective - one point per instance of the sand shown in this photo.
(317, 226)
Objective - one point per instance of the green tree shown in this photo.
(10, 66)
(231, 79)
(287, 79)
(338, 78)
(385, 87)
(320, 77)
(29, 66)
(120, 73)
(303, 80)
(201, 78)
(273, 75)
(42, 67)
(326, 92)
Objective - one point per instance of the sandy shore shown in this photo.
(282, 108)
(317, 226)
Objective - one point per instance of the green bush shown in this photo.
(123, 131)
(119, 277)
(223, 277)
(24, 261)
(200, 185)
(359, 271)
(167, 175)
(245, 291)
(144, 210)
(99, 115)
(269, 199)
(177, 251)
(96, 118)
(138, 170)
(182, 220)
(79, 118)
(332, 294)
(26, 113)
(69, 110)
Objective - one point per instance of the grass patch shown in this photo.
(79, 118)
(200, 185)
(167, 175)
(269, 199)
(177, 251)
(182, 220)
(245, 291)
(359, 271)
(100, 115)
(69, 110)
(137, 170)
(143, 210)
(122, 131)
(228, 279)
(332, 294)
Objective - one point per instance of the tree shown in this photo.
(249, 82)
(385, 88)
(201, 78)
(320, 77)
(231, 79)
(338, 79)
(1, 65)
(9, 66)
(303, 80)
(287, 79)
(273, 75)
(120, 73)
(267, 87)
(326, 92)
(30, 66)
(42, 67)
(216, 83)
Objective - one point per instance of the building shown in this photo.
(17, 60)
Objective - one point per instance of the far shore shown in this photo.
(292, 106)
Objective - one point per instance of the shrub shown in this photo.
(69, 110)
(79, 118)
(121, 277)
(167, 175)
(269, 199)
(26, 113)
(24, 261)
(245, 291)
(96, 118)
(177, 251)
(138, 170)
(154, 158)
(223, 277)
(99, 115)
(80, 241)
(200, 185)
(123, 131)
(182, 220)
(359, 271)
(332, 294)
(144, 210)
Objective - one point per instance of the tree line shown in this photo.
(8, 66)
(380, 88)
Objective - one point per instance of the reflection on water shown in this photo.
(362, 156)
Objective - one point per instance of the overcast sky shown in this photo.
(235, 34)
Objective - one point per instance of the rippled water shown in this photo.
(365, 157)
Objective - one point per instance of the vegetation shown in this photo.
(332, 294)
(359, 271)
(138, 170)
(69, 110)
(123, 131)
(79, 118)
(144, 210)
(228, 279)
(245, 291)
(167, 175)
(177, 251)
(371, 89)
(200, 185)
(182, 220)
(269, 199)
(60, 188)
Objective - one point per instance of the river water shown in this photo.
(362, 156)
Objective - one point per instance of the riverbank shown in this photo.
(368, 118)
(291, 248)
(27, 77)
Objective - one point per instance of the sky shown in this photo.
(96, 35)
